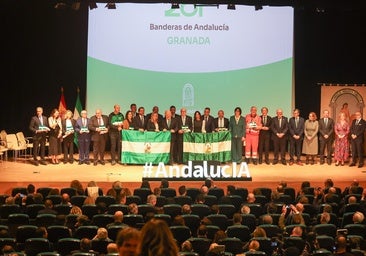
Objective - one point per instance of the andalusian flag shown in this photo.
(77, 110)
(145, 147)
(78, 106)
(214, 146)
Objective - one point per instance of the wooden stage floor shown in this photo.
(22, 172)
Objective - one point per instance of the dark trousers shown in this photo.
(179, 148)
(295, 149)
(357, 150)
(99, 148)
(263, 146)
(236, 149)
(68, 148)
(39, 146)
(325, 144)
(279, 145)
(116, 145)
(84, 148)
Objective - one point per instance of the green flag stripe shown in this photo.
(131, 157)
(142, 147)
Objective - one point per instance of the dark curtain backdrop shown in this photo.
(43, 49)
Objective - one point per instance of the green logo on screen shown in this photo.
(185, 11)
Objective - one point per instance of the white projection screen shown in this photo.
(192, 57)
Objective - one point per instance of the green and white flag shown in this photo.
(145, 147)
(207, 146)
(77, 110)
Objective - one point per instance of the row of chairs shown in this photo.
(15, 142)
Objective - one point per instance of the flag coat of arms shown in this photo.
(145, 147)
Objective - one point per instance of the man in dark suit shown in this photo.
(296, 127)
(171, 125)
(83, 135)
(264, 136)
(173, 111)
(39, 127)
(139, 121)
(98, 126)
(208, 120)
(221, 122)
(357, 131)
(279, 130)
(155, 109)
(184, 125)
(326, 137)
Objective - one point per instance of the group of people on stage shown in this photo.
(251, 134)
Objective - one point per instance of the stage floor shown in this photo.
(22, 172)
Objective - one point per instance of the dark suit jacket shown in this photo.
(226, 123)
(138, 124)
(209, 124)
(150, 126)
(358, 129)
(35, 123)
(93, 125)
(326, 130)
(173, 125)
(188, 122)
(275, 128)
(299, 130)
(79, 125)
(267, 124)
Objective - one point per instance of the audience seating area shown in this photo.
(217, 211)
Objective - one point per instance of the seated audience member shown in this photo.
(85, 247)
(102, 234)
(112, 248)
(93, 190)
(157, 239)
(82, 220)
(76, 210)
(186, 246)
(202, 231)
(251, 198)
(65, 199)
(133, 209)
(358, 218)
(118, 220)
(48, 208)
(127, 241)
(341, 248)
(182, 190)
(186, 209)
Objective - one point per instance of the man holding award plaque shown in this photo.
(253, 127)
(115, 133)
(39, 126)
(184, 125)
(221, 123)
(83, 134)
(98, 126)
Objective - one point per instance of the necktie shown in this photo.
(357, 121)
(169, 123)
(326, 121)
(264, 120)
(84, 122)
(99, 122)
(183, 120)
(297, 121)
(279, 122)
(41, 120)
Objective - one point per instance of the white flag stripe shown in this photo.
(193, 147)
(140, 147)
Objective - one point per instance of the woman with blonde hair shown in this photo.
(157, 240)
(68, 129)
